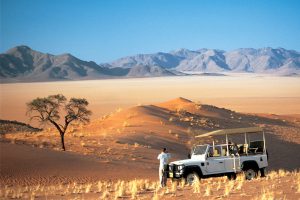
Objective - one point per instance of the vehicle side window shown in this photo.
(214, 152)
(217, 151)
(198, 150)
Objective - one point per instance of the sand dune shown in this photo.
(110, 147)
(252, 94)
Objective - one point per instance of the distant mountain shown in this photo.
(210, 61)
(265, 60)
(164, 60)
(148, 71)
(24, 64)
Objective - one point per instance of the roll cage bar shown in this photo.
(226, 132)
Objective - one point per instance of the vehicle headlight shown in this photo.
(180, 167)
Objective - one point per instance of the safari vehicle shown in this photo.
(227, 159)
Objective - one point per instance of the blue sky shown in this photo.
(106, 30)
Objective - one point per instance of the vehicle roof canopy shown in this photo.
(231, 131)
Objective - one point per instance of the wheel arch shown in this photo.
(250, 164)
(193, 168)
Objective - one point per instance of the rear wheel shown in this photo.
(250, 174)
(192, 177)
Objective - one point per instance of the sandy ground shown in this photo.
(26, 165)
(125, 144)
(277, 185)
(255, 94)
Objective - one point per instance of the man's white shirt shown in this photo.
(163, 159)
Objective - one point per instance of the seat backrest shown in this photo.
(223, 152)
(216, 153)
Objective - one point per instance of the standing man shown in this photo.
(163, 158)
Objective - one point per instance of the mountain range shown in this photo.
(22, 64)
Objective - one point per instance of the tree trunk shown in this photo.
(62, 135)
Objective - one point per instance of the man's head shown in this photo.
(164, 150)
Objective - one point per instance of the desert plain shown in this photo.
(114, 156)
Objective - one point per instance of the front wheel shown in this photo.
(192, 178)
(250, 174)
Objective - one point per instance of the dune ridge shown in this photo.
(110, 147)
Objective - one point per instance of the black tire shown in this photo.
(250, 173)
(231, 176)
(191, 178)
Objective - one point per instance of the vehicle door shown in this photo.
(232, 161)
(215, 160)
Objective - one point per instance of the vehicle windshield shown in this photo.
(199, 150)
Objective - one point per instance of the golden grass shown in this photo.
(240, 181)
(228, 188)
(155, 196)
(196, 186)
(296, 175)
(268, 189)
(182, 183)
(174, 187)
(265, 194)
(105, 189)
(207, 190)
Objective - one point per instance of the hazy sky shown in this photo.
(106, 30)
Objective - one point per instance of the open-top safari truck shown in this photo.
(228, 159)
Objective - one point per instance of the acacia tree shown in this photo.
(47, 110)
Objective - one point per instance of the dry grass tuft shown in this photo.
(155, 196)
(282, 173)
(265, 195)
(174, 187)
(228, 188)
(208, 190)
(196, 186)
(182, 184)
(272, 175)
(219, 185)
(133, 187)
(105, 195)
(120, 189)
(88, 188)
(145, 189)
(126, 124)
(298, 182)
(240, 181)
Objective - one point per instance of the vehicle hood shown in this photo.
(187, 162)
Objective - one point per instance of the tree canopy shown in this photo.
(48, 110)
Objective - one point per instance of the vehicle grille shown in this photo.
(172, 168)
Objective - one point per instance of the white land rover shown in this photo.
(224, 159)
